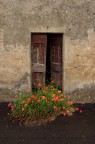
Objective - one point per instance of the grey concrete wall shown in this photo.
(75, 18)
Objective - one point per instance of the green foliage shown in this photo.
(44, 101)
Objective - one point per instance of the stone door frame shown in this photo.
(47, 30)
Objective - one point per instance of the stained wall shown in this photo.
(76, 19)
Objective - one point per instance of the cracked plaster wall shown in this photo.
(75, 18)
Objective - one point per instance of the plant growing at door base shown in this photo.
(42, 105)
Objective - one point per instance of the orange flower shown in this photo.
(77, 108)
(52, 81)
(39, 85)
(56, 108)
(55, 99)
(28, 100)
(59, 91)
(38, 101)
(12, 107)
(25, 105)
(67, 111)
(54, 95)
(44, 91)
(43, 97)
(69, 102)
(46, 88)
(34, 97)
(22, 109)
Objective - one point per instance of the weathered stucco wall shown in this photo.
(76, 19)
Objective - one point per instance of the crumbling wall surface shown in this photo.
(18, 18)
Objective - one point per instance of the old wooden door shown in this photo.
(56, 58)
(39, 44)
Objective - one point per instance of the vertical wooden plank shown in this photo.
(56, 59)
(39, 43)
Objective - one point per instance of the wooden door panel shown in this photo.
(56, 59)
(41, 57)
(34, 53)
(38, 58)
(38, 53)
(38, 68)
(56, 67)
(37, 77)
(57, 77)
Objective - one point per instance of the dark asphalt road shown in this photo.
(77, 129)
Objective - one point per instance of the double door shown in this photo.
(40, 45)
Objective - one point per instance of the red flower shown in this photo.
(69, 102)
(38, 101)
(44, 91)
(43, 97)
(12, 107)
(34, 97)
(54, 95)
(67, 111)
(55, 99)
(9, 105)
(46, 88)
(56, 108)
(77, 108)
(22, 109)
(81, 111)
(28, 100)
(39, 85)
(59, 91)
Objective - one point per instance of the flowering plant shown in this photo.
(42, 105)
